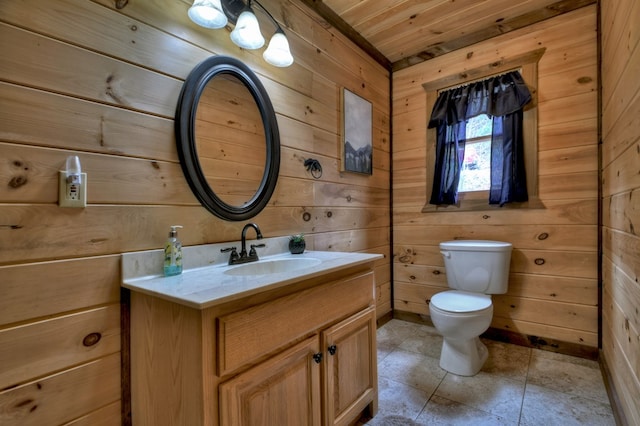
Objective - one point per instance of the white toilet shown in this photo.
(475, 270)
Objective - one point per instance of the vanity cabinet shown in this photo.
(285, 390)
(350, 374)
(344, 355)
(302, 354)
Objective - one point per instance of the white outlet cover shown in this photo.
(63, 201)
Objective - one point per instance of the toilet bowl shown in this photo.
(475, 270)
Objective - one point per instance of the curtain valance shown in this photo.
(495, 96)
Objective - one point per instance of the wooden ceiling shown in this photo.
(400, 33)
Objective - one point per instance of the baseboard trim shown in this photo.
(614, 399)
(412, 317)
(384, 319)
(500, 335)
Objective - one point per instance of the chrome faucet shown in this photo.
(243, 257)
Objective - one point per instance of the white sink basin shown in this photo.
(274, 266)
(208, 281)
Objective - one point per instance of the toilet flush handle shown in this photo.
(446, 254)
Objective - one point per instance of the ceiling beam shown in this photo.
(338, 23)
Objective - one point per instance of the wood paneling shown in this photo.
(63, 397)
(409, 32)
(87, 78)
(620, 23)
(38, 290)
(37, 348)
(553, 292)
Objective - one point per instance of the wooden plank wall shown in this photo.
(85, 78)
(553, 290)
(620, 41)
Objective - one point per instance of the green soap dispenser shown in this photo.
(173, 253)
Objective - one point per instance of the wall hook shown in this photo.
(314, 167)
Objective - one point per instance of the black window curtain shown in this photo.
(501, 97)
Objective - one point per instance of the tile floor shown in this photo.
(516, 386)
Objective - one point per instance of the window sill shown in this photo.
(476, 204)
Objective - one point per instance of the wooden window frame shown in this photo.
(527, 64)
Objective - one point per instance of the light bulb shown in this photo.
(278, 53)
(208, 14)
(246, 34)
(74, 171)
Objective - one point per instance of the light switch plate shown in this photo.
(64, 200)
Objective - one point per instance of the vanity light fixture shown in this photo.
(246, 34)
(208, 14)
(278, 53)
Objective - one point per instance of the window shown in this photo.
(471, 197)
(475, 174)
(503, 97)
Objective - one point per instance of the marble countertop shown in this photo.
(204, 283)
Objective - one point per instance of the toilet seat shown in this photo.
(457, 301)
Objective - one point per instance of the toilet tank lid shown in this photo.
(460, 301)
(476, 245)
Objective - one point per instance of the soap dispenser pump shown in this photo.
(173, 253)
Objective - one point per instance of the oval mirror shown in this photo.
(227, 138)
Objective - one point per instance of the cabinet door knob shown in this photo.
(317, 357)
(332, 349)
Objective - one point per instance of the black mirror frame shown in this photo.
(186, 143)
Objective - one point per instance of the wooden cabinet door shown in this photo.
(284, 390)
(351, 368)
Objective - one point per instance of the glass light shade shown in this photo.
(278, 53)
(246, 34)
(74, 171)
(208, 14)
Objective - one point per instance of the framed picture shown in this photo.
(357, 145)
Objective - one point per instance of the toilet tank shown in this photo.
(477, 266)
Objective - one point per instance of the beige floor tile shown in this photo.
(486, 392)
(398, 403)
(383, 352)
(539, 353)
(429, 345)
(571, 375)
(506, 360)
(391, 335)
(395, 332)
(516, 386)
(442, 411)
(416, 370)
(543, 406)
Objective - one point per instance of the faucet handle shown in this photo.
(234, 254)
(253, 252)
